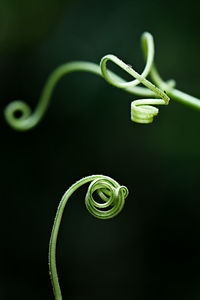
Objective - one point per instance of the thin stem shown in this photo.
(54, 234)
(185, 98)
(169, 87)
(109, 191)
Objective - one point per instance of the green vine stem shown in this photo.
(112, 197)
(173, 93)
(142, 110)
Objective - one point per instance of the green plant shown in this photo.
(142, 110)
(112, 197)
(110, 192)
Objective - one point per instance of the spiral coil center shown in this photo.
(112, 198)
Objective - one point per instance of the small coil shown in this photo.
(142, 110)
(18, 115)
(112, 197)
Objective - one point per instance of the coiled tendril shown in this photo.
(112, 197)
(20, 117)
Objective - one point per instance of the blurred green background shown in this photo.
(150, 251)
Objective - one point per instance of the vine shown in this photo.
(112, 197)
(142, 110)
(20, 117)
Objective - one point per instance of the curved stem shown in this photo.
(54, 234)
(110, 192)
(55, 77)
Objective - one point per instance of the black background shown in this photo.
(151, 250)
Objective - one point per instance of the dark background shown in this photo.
(151, 250)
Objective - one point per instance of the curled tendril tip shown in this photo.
(112, 197)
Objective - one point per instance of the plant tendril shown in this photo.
(20, 117)
(142, 110)
(112, 197)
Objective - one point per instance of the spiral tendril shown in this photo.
(24, 118)
(112, 197)
(142, 111)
